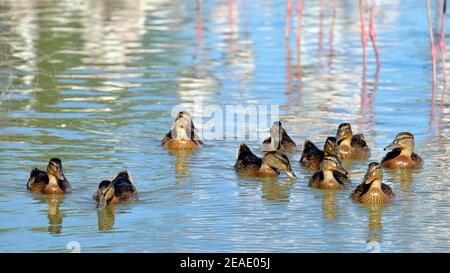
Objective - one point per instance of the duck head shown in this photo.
(276, 130)
(333, 164)
(403, 141)
(279, 163)
(330, 147)
(184, 115)
(344, 133)
(183, 128)
(374, 175)
(55, 169)
(105, 193)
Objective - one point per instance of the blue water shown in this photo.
(94, 83)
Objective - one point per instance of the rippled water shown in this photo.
(94, 83)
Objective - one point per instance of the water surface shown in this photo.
(94, 83)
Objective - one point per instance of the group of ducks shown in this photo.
(53, 181)
(329, 171)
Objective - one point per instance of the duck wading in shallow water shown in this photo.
(332, 175)
(52, 181)
(279, 140)
(312, 156)
(183, 134)
(351, 146)
(401, 153)
(248, 164)
(372, 190)
(121, 189)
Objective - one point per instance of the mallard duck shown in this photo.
(121, 189)
(52, 181)
(312, 156)
(279, 140)
(327, 177)
(248, 164)
(183, 134)
(401, 153)
(372, 190)
(351, 146)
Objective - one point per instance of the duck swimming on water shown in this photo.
(372, 190)
(121, 189)
(279, 140)
(52, 181)
(332, 175)
(351, 146)
(401, 153)
(183, 134)
(248, 164)
(312, 156)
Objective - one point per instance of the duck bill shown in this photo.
(339, 138)
(342, 170)
(391, 146)
(290, 173)
(107, 194)
(368, 179)
(101, 203)
(61, 176)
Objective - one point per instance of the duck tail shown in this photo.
(285, 136)
(360, 136)
(123, 175)
(35, 172)
(243, 151)
(359, 140)
(308, 145)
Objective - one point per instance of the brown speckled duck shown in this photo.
(351, 146)
(183, 134)
(401, 153)
(372, 190)
(332, 175)
(52, 181)
(121, 189)
(279, 140)
(312, 156)
(248, 164)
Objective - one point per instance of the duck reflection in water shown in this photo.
(375, 226)
(329, 206)
(106, 217)
(274, 190)
(403, 178)
(182, 164)
(54, 215)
